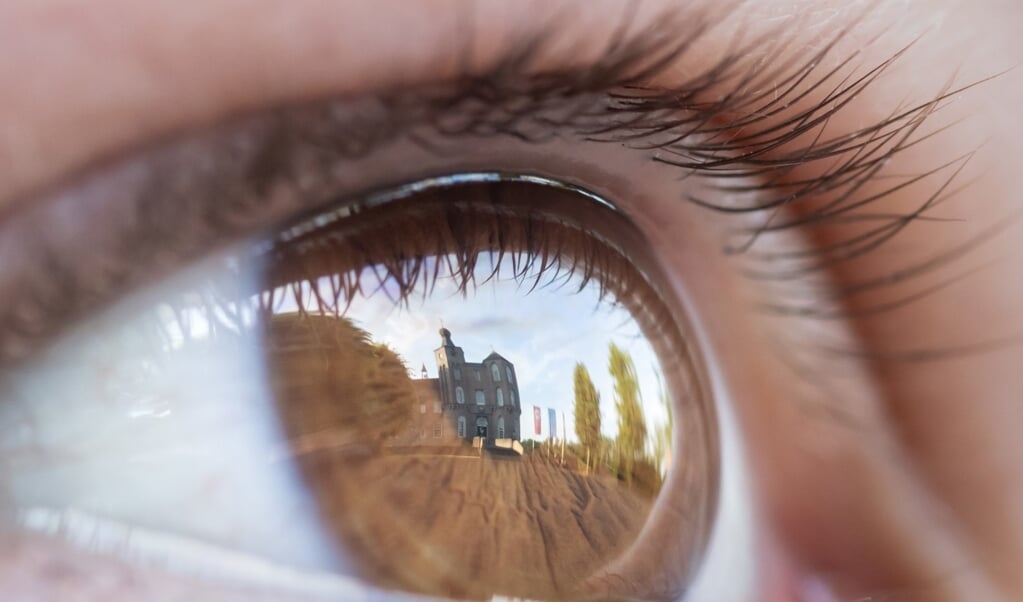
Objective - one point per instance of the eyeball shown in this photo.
(476, 386)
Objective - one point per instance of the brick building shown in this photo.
(465, 400)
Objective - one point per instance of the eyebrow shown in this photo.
(125, 226)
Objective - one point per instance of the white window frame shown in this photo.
(461, 427)
(459, 395)
(508, 370)
(500, 397)
(481, 397)
(495, 372)
(500, 427)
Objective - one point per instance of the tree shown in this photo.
(332, 383)
(587, 408)
(663, 432)
(631, 422)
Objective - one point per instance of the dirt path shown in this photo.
(476, 527)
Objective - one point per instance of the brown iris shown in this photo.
(450, 474)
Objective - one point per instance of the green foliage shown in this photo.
(663, 432)
(631, 421)
(587, 408)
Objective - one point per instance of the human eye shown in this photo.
(722, 218)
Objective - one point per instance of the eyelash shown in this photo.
(471, 216)
(170, 190)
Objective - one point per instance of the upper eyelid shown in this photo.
(476, 38)
(239, 164)
(133, 81)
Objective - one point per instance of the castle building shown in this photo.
(466, 399)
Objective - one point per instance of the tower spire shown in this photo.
(445, 338)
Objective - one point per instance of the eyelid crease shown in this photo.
(175, 203)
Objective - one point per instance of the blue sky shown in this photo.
(543, 334)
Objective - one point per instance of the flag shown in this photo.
(553, 419)
(536, 419)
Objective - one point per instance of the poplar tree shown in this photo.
(631, 422)
(663, 432)
(587, 408)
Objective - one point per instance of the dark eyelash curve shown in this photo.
(477, 232)
(171, 220)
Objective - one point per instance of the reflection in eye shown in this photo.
(460, 389)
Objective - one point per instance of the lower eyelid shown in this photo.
(38, 567)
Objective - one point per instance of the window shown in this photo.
(480, 397)
(495, 371)
(458, 374)
(422, 408)
(500, 397)
(459, 395)
(500, 427)
(508, 371)
(461, 426)
(512, 393)
(436, 431)
(477, 375)
(436, 407)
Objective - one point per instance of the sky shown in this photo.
(543, 334)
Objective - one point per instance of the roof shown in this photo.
(427, 386)
(494, 356)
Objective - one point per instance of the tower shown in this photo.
(450, 364)
(504, 390)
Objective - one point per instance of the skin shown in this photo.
(920, 499)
